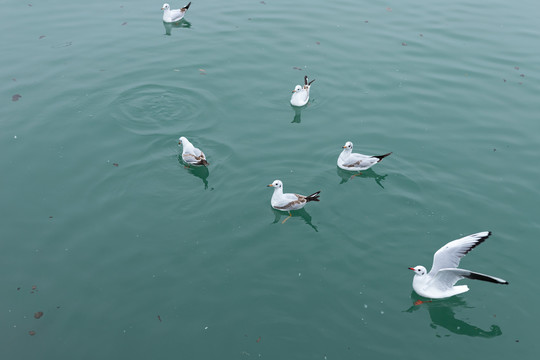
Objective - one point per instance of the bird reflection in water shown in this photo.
(369, 173)
(180, 24)
(199, 171)
(302, 213)
(297, 114)
(442, 314)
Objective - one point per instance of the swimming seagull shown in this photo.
(288, 202)
(171, 16)
(348, 160)
(300, 94)
(439, 282)
(190, 154)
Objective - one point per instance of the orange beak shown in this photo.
(269, 185)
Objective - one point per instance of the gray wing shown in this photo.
(177, 14)
(290, 200)
(450, 254)
(446, 278)
(355, 160)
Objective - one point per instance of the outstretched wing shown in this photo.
(446, 278)
(450, 254)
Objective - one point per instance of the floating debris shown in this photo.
(262, 2)
(115, 164)
(259, 339)
(522, 75)
(421, 35)
(388, 9)
(516, 67)
(38, 315)
(159, 318)
(41, 37)
(16, 97)
(318, 42)
(297, 68)
(34, 287)
(31, 333)
(403, 44)
(124, 23)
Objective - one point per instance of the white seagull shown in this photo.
(439, 282)
(348, 160)
(288, 202)
(171, 16)
(190, 154)
(300, 95)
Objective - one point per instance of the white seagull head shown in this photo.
(297, 88)
(348, 145)
(182, 140)
(165, 7)
(276, 184)
(419, 270)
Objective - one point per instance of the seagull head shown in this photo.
(348, 145)
(297, 88)
(182, 140)
(418, 270)
(277, 184)
(165, 7)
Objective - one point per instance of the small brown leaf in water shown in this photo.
(366, 21)
(14, 79)
(34, 287)
(41, 37)
(115, 164)
(259, 339)
(516, 67)
(318, 42)
(31, 333)
(124, 23)
(159, 318)
(522, 75)
(403, 44)
(38, 314)
(262, 2)
(16, 97)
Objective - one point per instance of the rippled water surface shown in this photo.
(131, 255)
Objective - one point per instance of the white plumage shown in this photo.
(348, 160)
(190, 154)
(300, 95)
(171, 16)
(439, 282)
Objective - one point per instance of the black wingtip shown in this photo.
(309, 83)
(313, 197)
(305, 80)
(482, 277)
(380, 157)
(187, 6)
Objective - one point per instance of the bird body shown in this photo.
(289, 201)
(300, 95)
(190, 154)
(444, 273)
(175, 15)
(348, 160)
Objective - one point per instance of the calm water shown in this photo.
(130, 255)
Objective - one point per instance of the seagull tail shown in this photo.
(305, 80)
(187, 6)
(484, 277)
(313, 197)
(380, 157)
(203, 162)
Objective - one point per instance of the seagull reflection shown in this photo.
(180, 24)
(294, 213)
(369, 173)
(297, 114)
(442, 314)
(199, 171)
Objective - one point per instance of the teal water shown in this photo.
(133, 256)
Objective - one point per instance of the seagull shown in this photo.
(171, 16)
(288, 202)
(439, 282)
(300, 94)
(190, 154)
(348, 160)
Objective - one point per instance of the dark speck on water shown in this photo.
(124, 23)
(38, 314)
(31, 333)
(41, 37)
(16, 97)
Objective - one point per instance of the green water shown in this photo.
(133, 256)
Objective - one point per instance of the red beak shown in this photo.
(411, 269)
